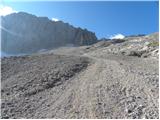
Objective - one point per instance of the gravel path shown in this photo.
(109, 86)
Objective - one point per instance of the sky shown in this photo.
(105, 18)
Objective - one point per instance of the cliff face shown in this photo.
(25, 33)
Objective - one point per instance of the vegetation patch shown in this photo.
(153, 44)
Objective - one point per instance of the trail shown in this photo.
(111, 86)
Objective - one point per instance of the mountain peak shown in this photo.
(32, 33)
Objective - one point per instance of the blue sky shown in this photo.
(104, 18)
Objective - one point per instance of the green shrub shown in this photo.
(153, 44)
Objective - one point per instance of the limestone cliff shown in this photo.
(25, 33)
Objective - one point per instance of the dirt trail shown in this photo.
(110, 87)
(113, 88)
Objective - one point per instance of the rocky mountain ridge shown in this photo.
(26, 33)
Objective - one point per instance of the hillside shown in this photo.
(109, 79)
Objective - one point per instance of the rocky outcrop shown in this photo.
(26, 33)
(142, 46)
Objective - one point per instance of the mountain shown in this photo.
(26, 33)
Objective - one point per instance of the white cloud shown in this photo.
(5, 10)
(117, 36)
(55, 19)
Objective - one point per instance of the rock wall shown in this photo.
(25, 33)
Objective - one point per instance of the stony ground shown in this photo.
(105, 80)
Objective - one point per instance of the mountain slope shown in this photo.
(96, 81)
(26, 33)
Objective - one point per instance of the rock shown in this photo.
(114, 41)
(5, 117)
(102, 44)
(134, 53)
(146, 43)
(26, 33)
(155, 51)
